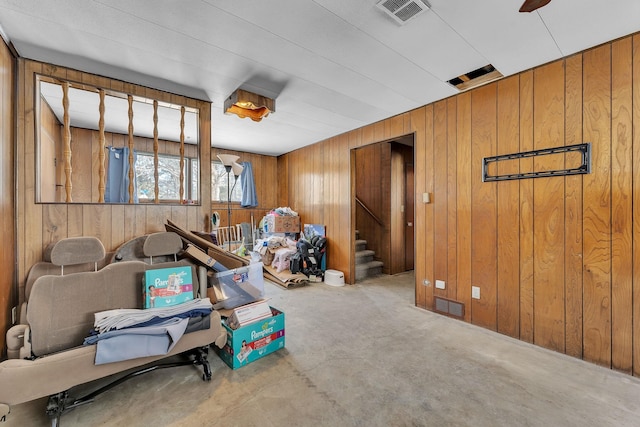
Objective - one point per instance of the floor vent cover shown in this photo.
(402, 11)
(449, 307)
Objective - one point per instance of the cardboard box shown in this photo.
(253, 341)
(164, 287)
(249, 313)
(200, 255)
(282, 224)
(215, 294)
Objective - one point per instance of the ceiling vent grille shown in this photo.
(476, 78)
(403, 10)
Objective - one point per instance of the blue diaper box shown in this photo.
(164, 287)
(253, 341)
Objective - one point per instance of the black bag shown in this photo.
(295, 264)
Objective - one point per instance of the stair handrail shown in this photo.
(367, 210)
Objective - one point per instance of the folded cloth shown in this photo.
(123, 318)
(131, 343)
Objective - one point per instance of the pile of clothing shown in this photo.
(124, 334)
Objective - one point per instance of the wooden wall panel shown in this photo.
(484, 207)
(548, 208)
(418, 125)
(463, 203)
(396, 224)
(429, 246)
(50, 141)
(573, 211)
(452, 207)
(332, 216)
(636, 205)
(82, 165)
(621, 205)
(8, 297)
(440, 188)
(343, 252)
(508, 286)
(526, 209)
(597, 206)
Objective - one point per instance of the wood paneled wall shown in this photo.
(7, 198)
(113, 224)
(553, 257)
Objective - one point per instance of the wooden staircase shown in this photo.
(366, 264)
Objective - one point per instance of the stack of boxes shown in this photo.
(254, 329)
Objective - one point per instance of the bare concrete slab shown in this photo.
(363, 355)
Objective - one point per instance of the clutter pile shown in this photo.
(286, 252)
(235, 286)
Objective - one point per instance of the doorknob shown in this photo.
(409, 224)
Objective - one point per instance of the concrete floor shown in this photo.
(363, 355)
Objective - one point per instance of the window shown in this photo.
(99, 117)
(168, 178)
(219, 184)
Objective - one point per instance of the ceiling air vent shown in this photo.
(475, 78)
(403, 10)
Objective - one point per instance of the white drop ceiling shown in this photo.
(331, 65)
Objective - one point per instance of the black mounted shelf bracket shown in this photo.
(584, 168)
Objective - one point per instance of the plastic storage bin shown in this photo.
(241, 285)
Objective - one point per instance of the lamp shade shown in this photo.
(228, 159)
(248, 104)
(236, 168)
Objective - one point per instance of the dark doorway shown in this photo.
(383, 200)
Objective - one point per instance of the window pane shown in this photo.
(219, 184)
(168, 177)
(195, 173)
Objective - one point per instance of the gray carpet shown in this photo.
(363, 355)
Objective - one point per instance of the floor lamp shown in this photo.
(230, 165)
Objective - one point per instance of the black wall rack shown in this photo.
(584, 168)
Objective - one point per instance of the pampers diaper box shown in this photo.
(253, 341)
(164, 287)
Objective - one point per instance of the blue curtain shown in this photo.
(249, 196)
(117, 188)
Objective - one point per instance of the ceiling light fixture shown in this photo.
(531, 5)
(249, 104)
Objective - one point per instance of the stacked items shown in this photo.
(124, 334)
(283, 221)
(124, 318)
(276, 251)
(247, 314)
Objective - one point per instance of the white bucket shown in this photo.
(334, 278)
